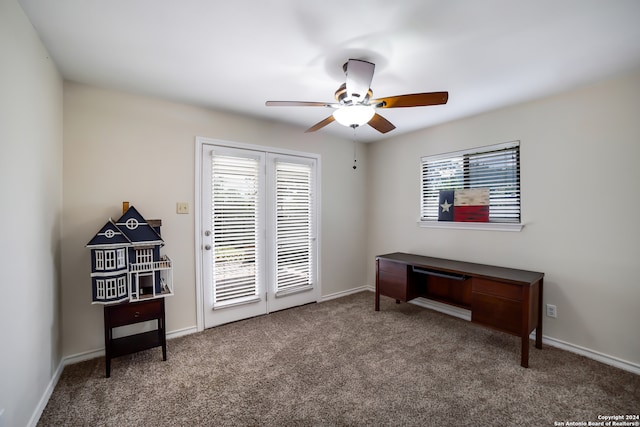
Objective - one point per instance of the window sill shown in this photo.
(489, 226)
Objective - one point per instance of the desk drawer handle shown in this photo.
(136, 314)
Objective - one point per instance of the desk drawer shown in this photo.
(396, 268)
(126, 314)
(393, 285)
(499, 289)
(499, 313)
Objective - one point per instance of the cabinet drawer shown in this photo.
(499, 313)
(392, 285)
(499, 289)
(125, 314)
(397, 268)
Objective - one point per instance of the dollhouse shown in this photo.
(126, 264)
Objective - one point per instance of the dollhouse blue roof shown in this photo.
(130, 229)
(109, 235)
(137, 229)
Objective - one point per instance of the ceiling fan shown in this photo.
(355, 106)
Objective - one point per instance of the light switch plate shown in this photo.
(182, 207)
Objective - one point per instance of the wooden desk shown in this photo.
(129, 313)
(505, 299)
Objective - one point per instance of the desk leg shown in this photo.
(107, 345)
(539, 325)
(377, 289)
(524, 357)
(162, 330)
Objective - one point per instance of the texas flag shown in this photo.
(471, 205)
(445, 209)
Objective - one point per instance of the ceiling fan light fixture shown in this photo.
(354, 115)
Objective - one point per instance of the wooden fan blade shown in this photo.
(296, 104)
(381, 124)
(412, 100)
(321, 124)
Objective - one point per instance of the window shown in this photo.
(495, 167)
(99, 260)
(236, 212)
(100, 289)
(111, 288)
(121, 258)
(294, 227)
(109, 260)
(144, 256)
(122, 286)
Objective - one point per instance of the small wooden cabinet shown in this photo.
(128, 313)
(504, 299)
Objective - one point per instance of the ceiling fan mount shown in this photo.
(355, 106)
(342, 96)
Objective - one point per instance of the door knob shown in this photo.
(207, 247)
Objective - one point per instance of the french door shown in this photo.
(257, 233)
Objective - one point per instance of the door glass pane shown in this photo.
(293, 227)
(235, 213)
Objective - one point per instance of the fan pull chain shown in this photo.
(355, 160)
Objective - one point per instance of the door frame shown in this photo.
(199, 143)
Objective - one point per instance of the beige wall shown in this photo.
(579, 179)
(122, 147)
(580, 204)
(31, 194)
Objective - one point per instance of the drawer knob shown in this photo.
(136, 314)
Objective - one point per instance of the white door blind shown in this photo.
(496, 167)
(235, 214)
(294, 225)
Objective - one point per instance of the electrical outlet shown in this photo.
(552, 311)
(182, 207)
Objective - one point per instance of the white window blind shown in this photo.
(496, 167)
(294, 225)
(235, 210)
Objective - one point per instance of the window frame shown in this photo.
(496, 226)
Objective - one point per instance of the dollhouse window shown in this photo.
(110, 260)
(122, 286)
(111, 288)
(131, 223)
(121, 258)
(99, 260)
(100, 289)
(144, 256)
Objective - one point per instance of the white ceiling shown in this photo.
(236, 54)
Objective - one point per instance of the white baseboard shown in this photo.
(35, 417)
(344, 293)
(591, 354)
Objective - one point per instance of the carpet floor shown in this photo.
(340, 363)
